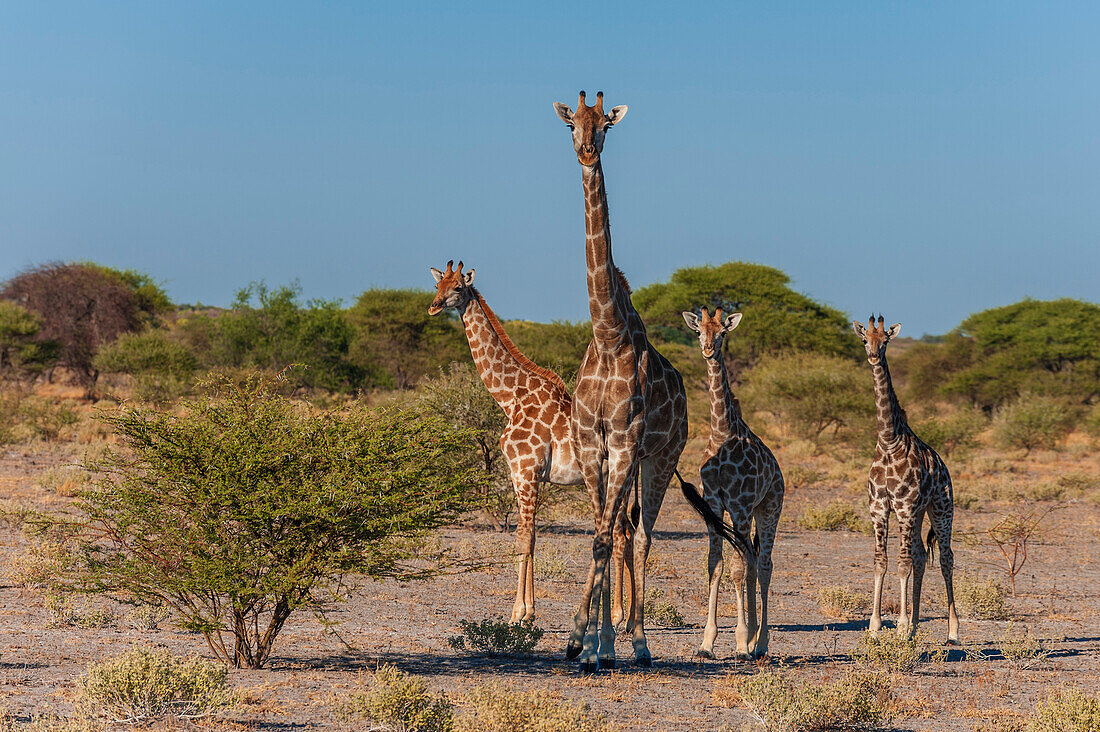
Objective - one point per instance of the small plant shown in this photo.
(64, 481)
(497, 638)
(397, 701)
(954, 433)
(835, 517)
(1079, 482)
(859, 700)
(800, 475)
(1011, 535)
(145, 685)
(981, 599)
(838, 601)
(893, 652)
(659, 610)
(1045, 492)
(66, 611)
(1022, 650)
(1031, 422)
(966, 501)
(550, 564)
(1067, 710)
(40, 566)
(14, 514)
(492, 707)
(148, 617)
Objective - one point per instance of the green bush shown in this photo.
(1067, 710)
(1031, 422)
(21, 351)
(497, 638)
(67, 611)
(956, 431)
(145, 685)
(813, 393)
(397, 701)
(892, 652)
(148, 352)
(841, 603)
(835, 517)
(859, 700)
(246, 507)
(493, 707)
(559, 345)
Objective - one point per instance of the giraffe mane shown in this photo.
(523, 361)
(622, 280)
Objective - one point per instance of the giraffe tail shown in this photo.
(930, 544)
(715, 522)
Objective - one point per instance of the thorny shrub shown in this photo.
(398, 701)
(858, 700)
(835, 517)
(841, 603)
(659, 610)
(492, 707)
(497, 638)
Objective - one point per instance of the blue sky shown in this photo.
(926, 160)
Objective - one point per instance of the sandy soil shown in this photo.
(408, 625)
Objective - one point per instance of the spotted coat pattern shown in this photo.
(741, 477)
(537, 442)
(629, 414)
(906, 478)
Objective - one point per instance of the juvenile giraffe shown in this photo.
(742, 478)
(537, 443)
(629, 411)
(908, 478)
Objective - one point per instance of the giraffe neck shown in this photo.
(494, 359)
(605, 287)
(891, 417)
(725, 415)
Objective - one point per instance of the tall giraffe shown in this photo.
(908, 478)
(742, 478)
(630, 411)
(537, 443)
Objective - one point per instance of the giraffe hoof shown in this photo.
(572, 650)
(704, 653)
(644, 662)
(589, 667)
(607, 663)
(952, 642)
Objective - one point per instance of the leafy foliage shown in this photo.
(20, 349)
(858, 700)
(559, 345)
(1032, 422)
(813, 392)
(80, 307)
(493, 707)
(840, 602)
(776, 317)
(246, 508)
(151, 299)
(1048, 347)
(397, 343)
(954, 432)
(836, 516)
(497, 638)
(1066, 710)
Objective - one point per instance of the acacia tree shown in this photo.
(248, 507)
(81, 307)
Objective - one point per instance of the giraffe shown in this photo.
(629, 413)
(742, 478)
(908, 478)
(537, 443)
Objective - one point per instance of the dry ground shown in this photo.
(408, 624)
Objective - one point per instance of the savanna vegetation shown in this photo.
(233, 475)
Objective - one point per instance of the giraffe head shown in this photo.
(876, 338)
(453, 288)
(712, 329)
(589, 125)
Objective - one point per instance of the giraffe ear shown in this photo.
(615, 116)
(860, 329)
(436, 273)
(692, 320)
(564, 112)
(731, 322)
(468, 277)
(893, 332)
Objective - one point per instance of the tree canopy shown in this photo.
(776, 317)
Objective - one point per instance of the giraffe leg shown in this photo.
(905, 574)
(941, 519)
(880, 516)
(620, 479)
(750, 606)
(654, 481)
(767, 523)
(527, 490)
(580, 620)
(714, 574)
(920, 561)
(593, 479)
(621, 557)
